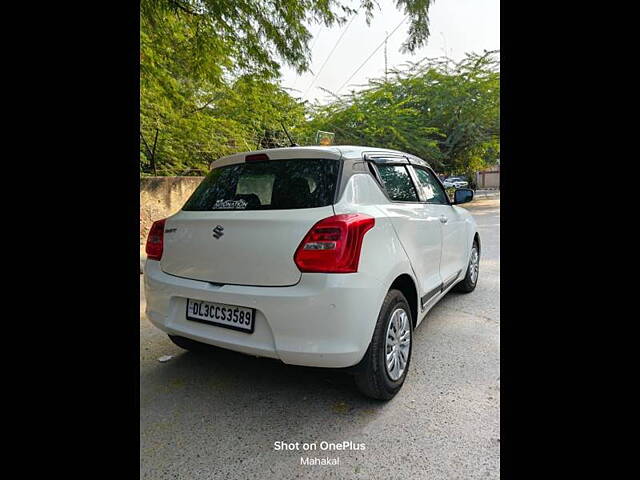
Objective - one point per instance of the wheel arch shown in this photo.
(405, 284)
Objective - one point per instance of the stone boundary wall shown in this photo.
(161, 197)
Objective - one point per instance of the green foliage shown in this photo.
(235, 118)
(251, 31)
(209, 87)
(445, 112)
(209, 70)
(198, 111)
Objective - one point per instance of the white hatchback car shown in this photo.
(316, 256)
(455, 182)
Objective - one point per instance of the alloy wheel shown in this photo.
(474, 265)
(397, 344)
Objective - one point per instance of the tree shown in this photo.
(255, 34)
(236, 117)
(209, 70)
(443, 111)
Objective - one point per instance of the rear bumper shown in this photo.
(323, 321)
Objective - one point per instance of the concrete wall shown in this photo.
(161, 197)
(489, 178)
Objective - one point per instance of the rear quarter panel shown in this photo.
(471, 228)
(382, 255)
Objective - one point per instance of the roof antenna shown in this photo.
(293, 144)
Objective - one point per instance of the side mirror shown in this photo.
(462, 195)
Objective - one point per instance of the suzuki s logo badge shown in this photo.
(218, 231)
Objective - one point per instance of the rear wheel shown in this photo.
(473, 270)
(188, 344)
(382, 371)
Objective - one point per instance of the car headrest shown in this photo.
(290, 192)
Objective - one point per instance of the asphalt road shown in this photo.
(217, 415)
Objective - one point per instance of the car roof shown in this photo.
(337, 152)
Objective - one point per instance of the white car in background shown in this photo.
(317, 256)
(455, 182)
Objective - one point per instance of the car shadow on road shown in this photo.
(225, 384)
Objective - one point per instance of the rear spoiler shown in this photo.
(281, 153)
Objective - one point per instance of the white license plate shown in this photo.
(222, 315)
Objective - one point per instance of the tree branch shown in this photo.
(202, 107)
(184, 9)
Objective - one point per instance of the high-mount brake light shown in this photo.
(333, 244)
(256, 157)
(155, 240)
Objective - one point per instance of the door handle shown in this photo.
(443, 219)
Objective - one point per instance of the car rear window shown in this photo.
(267, 185)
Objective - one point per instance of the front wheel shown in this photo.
(468, 284)
(383, 369)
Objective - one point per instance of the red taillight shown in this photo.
(155, 240)
(333, 244)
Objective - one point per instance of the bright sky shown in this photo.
(457, 27)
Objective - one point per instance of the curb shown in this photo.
(487, 195)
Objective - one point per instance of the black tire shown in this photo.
(468, 285)
(371, 374)
(190, 345)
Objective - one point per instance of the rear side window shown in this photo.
(269, 185)
(398, 183)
